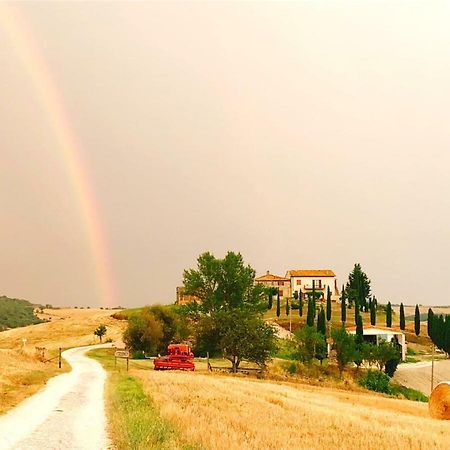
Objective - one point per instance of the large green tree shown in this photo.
(344, 345)
(229, 309)
(358, 287)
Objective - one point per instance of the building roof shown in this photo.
(310, 273)
(270, 277)
(366, 327)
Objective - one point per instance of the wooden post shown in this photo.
(59, 360)
(432, 369)
(127, 363)
(208, 365)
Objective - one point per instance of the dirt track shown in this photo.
(418, 375)
(68, 414)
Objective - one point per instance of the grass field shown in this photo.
(211, 411)
(21, 371)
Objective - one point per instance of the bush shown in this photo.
(409, 394)
(391, 366)
(139, 354)
(292, 368)
(377, 381)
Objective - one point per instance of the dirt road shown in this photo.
(68, 413)
(418, 375)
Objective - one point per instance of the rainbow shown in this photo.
(13, 23)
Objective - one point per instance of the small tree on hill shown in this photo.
(288, 307)
(278, 305)
(310, 313)
(321, 325)
(328, 304)
(389, 315)
(417, 321)
(100, 331)
(373, 313)
(300, 303)
(343, 306)
(402, 317)
(344, 345)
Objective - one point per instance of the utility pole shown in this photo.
(432, 368)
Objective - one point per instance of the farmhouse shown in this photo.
(323, 279)
(376, 334)
(282, 284)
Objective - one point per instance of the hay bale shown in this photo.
(439, 403)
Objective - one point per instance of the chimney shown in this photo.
(267, 273)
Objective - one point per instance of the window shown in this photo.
(280, 291)
(281, 283)
(318, 284)
(299, 282)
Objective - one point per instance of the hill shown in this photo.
(23, 372)
(16, 313)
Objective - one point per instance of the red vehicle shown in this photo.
(179, 356)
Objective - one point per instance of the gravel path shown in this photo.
(69, 413)
(418, 375)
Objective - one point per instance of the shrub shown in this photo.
(391, 366)
(139, 354)
(377, 381)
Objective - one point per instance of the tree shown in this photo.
(144, 333)
(417, 320)
(358, 287)
(278, 305)
(359, 337)
(230, 308)
(344, 345)
(430, 323)
(388, 315)
(321, 324)
(246, 338)
(373, 313)
(314, 299)
(271, 291)
(300, 303)
(402, 317)
(288, 308)
(295, 295)
(328, 304)
(309, 344)
(100, 331)
(385, 352)
(343, 307)
(310, 313)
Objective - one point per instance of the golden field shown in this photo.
(225, 412)
(21, 371)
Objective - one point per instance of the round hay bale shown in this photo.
(439, 403)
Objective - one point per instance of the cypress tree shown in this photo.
(389, 315)
(270, 295)
(278, 305)
(402, 317)
(447, 335)
(329, 304)
(321, 325)
(359, 330)
(314, 298)
(430, 323)
(343, 307)
(417, 321)
(300, 303)
(373, 313)
(288, 307)
(310, 314)
(357, 312)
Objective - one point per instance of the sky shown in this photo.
(304, 135)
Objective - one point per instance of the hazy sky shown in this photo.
(304, 135)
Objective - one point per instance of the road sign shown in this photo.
(122, 354)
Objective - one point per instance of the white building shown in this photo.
(323, 279)
(376, 334)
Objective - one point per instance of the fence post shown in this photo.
(127, 363)
(59, 360)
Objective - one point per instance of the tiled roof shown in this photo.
(270, 277)
(310, 273)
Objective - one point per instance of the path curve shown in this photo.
(69, 413)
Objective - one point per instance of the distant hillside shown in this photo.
(16, 313)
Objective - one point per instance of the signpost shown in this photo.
(121, 354)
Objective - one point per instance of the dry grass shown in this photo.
(226, 413)
(22, 373)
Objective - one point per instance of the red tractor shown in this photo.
(179, 357)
